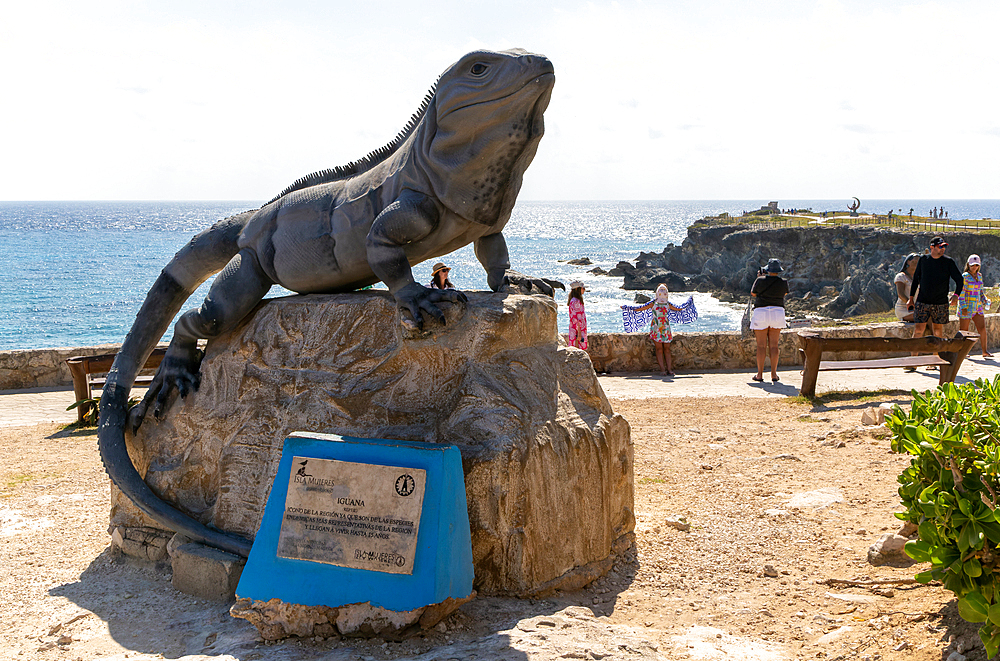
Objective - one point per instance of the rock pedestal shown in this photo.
(547, 463)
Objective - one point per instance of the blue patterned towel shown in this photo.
(636, 321)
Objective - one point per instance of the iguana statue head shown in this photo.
(483, 128)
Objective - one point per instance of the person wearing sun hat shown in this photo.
(439, 277)
(972, 302)
(577, 336)
(768, 291)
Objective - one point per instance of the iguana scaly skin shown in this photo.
(450, 178)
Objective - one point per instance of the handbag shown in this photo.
(745, 331)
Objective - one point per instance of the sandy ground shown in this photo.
(730, 467)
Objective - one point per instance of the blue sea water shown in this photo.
(76, 273)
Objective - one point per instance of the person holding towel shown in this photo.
(659, 328)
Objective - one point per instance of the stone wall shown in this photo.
(43, 368)
(634, 352)
(610, 352)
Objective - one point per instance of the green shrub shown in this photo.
(90, 417)
(93, 404)
(950, 491)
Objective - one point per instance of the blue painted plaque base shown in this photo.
(442, 566)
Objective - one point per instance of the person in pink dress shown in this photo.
(577, 316)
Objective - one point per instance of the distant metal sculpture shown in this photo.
(450, 178)
(854, 207)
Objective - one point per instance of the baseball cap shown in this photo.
(974, 259)
(938, 241)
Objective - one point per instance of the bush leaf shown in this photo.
(973, 607)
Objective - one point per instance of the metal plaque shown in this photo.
(361, 516)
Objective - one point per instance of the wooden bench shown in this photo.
(83, 369)
(946, 354)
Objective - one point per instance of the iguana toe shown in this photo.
(135, 416)
(519, 283)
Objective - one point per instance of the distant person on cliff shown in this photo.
(972, 302)
(929, 291)
(903, 308)
(659, 328)
(439, 277)
(577, 316)
(769, 291)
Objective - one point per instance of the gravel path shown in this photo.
(777, 496)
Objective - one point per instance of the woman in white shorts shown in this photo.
(768, 318)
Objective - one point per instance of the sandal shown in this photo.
(758, 379)
(774, 379)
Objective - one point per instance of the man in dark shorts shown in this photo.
(931, 277)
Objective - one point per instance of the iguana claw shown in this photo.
(420, 301)
(519, 283)
(180, 371)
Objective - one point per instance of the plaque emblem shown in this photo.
(404, 485)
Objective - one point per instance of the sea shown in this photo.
(74, 274)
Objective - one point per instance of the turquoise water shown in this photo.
(75, 273)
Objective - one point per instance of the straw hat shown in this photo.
(576, 284)
(440, 266)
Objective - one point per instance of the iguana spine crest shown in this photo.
(363, 164)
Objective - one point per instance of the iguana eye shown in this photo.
(478, 69)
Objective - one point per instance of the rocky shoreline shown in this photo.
(839, 271)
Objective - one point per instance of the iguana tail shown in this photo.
(205, 254)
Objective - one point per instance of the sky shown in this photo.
(679, 100)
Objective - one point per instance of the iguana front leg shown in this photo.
(237, 289)
(413, 216)
(491, 251)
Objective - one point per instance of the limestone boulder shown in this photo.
(889, 550)
(547, 462)
(651, 277)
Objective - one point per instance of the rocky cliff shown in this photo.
(838, 271)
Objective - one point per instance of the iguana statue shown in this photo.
(449, 178)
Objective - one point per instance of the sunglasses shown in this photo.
(940, 245)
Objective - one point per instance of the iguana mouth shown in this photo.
(542, 102)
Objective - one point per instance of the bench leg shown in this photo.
(810, 371)
(948, 372)
(81, 388)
